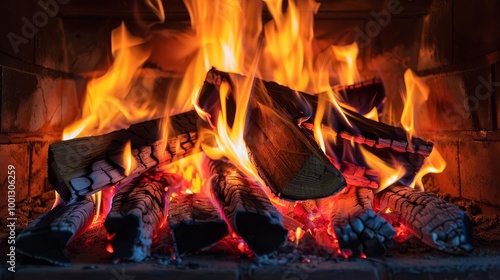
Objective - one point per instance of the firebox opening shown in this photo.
(276, 132)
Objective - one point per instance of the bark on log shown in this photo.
(47, 236)
(438, 223)
(137, 211)
(287, 159)
(195, 223)
(247, 209)
(357, 228)
(80, 167)
(359, 128)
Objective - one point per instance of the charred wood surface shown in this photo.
(357, 127)
(349, 159)
(287, 159)
(195, 222)
(247, 209)
(137, 211)
(363, 96)
(83, 166)
(47, 236)
(357, 228)
(439, 224)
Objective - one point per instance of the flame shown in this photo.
(372, 115)
(388, 210)
(347, 69)
(417, 93)
(298, 235)
(434, 163)
(388, 172)
(128, 159)
(109, 102)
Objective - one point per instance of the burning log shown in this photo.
(47, 236)
(195, 222)
(83, 166)
(438, 223)
(357, 228)
(247, 209)
(138, 210)
(287, 159)
(358, 128)
(363, 96)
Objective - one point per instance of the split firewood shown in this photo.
(47, 236)
(80, 167)
(195, 222)
(353, 126)
(357, 228)
(247, 209)
(137, 211)
(288, 160)
(439, 224)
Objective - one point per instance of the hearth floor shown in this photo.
(482, 264)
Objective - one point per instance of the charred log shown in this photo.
(195, 222)
(83, 166)
(287, 159)
(438, 223)
(247, 209)
(357, 228)
(353, 126)
(47, 236)
(138, 210)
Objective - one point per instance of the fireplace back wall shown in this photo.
(454, 45)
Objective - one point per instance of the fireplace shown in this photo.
(59, 57)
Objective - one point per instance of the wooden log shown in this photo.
(288, 160)
(47, 236)
(357, 228)
(137, 211)
(359, 128)
(247, 209)
(438, 223)
(80, 167)
(348, 158)
(363, 96)
(195, 223)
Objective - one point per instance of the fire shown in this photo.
(417, 93)
(128, 159)
(298, 235)
(388, 172)
(434, 163)
(372, 115)
(347, 68)
(109, 102)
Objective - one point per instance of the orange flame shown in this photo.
(434, 163)
(417, 93)
(347, 69)
(372, 115)
(388, 172)
(128, 159)
(109, 100)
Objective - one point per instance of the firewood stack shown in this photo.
(282, 148)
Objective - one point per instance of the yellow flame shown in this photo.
(434, 163)
(417, 93)
(109, 102)
(388, 172)
(372, 115)
(347, 68)
(128, 159)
